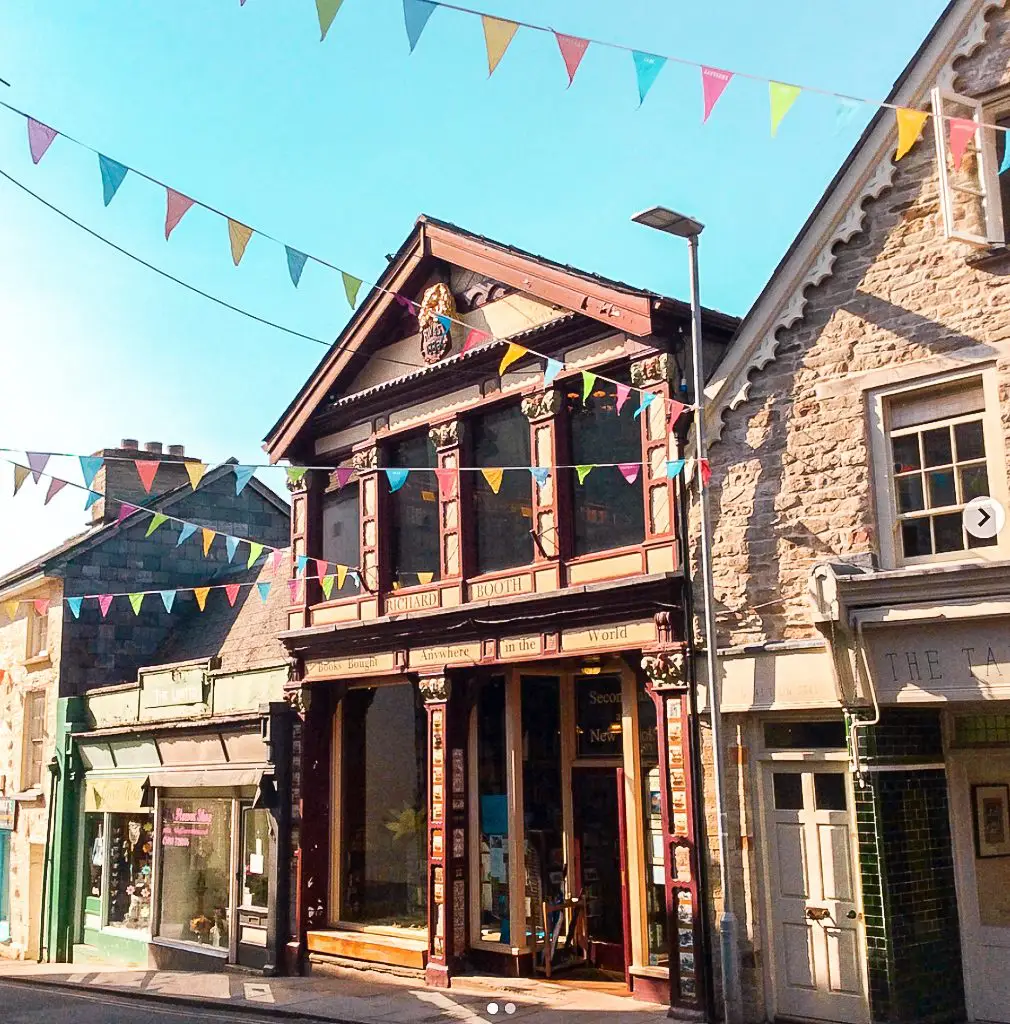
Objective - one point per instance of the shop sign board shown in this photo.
(609, 637)
(173, 688)
(8, 814)
(512, 647)
(397, 603)
(598, 709)
(351, 665)
(114, 795)
(445, 654)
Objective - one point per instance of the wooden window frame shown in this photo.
(37, 635)
(31, 741)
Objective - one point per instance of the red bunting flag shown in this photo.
(231, 590)
(961, 130)
(322, 567)
(676, 408)
(41, 605)
(475, 338)
(573, 49)
(446, 482)
(176, 209)
(713, 82)
(706, 471)
(147, 469)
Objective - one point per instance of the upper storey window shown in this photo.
(413, 513)
(608, 512)
(342, 532)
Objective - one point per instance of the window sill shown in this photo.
(191, 947)
(991, 256)
(28, 796)
(37, 661)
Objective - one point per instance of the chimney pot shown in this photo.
(129, 442)
(154, 447)
(177, 449)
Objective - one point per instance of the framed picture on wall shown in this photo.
(992, 819)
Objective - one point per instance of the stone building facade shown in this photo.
(862, 626)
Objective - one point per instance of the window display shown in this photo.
(255, 842)
(492, 793)
(652, 832)
(131, 848)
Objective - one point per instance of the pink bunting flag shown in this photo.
(962, 129)
(37, 463)
(713, 82)
(573, 49)
(40, 138)
(275, 559)
(706, 471)
(41, 605)
(322, 567)
(232, 590)
(175, 210)
(629, 470)
(125, 509)
(622, 396)
(343, 474)
(293, 589)
(55, 486)
(104, 602)
(475, 338)
(446, 482)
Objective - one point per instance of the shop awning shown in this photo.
(214, 778)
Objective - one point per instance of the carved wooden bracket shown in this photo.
(544, 406)
(665, 669)
(655, 370)
(435, 689)
(366, 459)
(446, 435)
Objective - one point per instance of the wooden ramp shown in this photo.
(371, 947)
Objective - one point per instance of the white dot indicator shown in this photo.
(492, 1008)
(510, 1007)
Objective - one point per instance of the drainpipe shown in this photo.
(54, 777)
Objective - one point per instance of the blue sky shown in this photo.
(335, 147)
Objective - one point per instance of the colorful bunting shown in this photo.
(554, 367)
(20, 476)
(573, 49)
(238, 236)
(424, 578)
(541, 474)
(55, 486)
(296, 264)
(255, 550)
(231, 546)
(673, 469)
(415, 16)
(705, 468)
(397, 478)
(188, 529)
(444, 322)
(845, 112)
(264, 591)
(910, 124)
(136, 600)
(125, 509)
(341, 576)
(1005, 163)
(623, 390)
(195, 472)
(582, 472)
(322, 568)
(446, 482)
(37, 462)
(231, 590)
(294, 590)
(208, 539)
(41, 605)
(961, 130)
(93, 496)
(629, 470)
(11, 607)
(295, 473)
(113, 174)
(780, 98)
(327, 11)
(647, 69)
(200, 593)
(90, 465)
(493, 478)
(713, 82)
(147, 469)
(512, 354)
(326, 583)
(674, 409)
(75, 606)
(588, 380)
(343, 474)
(498, 33)
(40, 138)
(167, 599)
(475, 338)
(177, 206)
(104, 602)
(351, 286)
(648, 397)
(302, 564)
(156, 520)
(275, 559)
(243, 474)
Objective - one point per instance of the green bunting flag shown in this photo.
(327, 584)
(136, 600)
(327, 11)
(582, 472)
(295, 473)
(351, 286)
(255, 550)
(588, 380)
(156, 520)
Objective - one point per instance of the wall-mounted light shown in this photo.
(592, 666)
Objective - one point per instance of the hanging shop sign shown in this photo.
(114, 795)
(8, 814)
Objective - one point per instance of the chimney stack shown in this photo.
(154, 447)
(118, 477)
(178, 450)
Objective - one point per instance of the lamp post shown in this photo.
(668, 221)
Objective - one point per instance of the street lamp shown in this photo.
(670, 222)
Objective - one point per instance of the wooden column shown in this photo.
(366, 462)
(547, 451)
(306, 539)
(680, 789)
(446, 438)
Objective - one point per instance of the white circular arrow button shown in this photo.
(983, 517)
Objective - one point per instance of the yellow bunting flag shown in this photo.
(513, 353)
(498, 34)
(327, 584)
(781, 97)
(20, 476)
(208, 539)
(341, 576)
(583, 472)
(11, 608)
(910, 124)
(195, 471)
(424, 578)
(588, 380)
(494, 478)
(201, 596)
(239, 236)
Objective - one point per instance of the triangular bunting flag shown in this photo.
(647, 69)
(444, 322)
(302, 564)
(11, 608)
(343, 474)
(90, 465)
(208, 539)
(513, 353)
(573, 49)
(629, 470)
(327, 11)
(622, 396)
(713, 82)
(582, 472)
(21, 474)
(295, 473)
(322, 568)
(351, 286)
(910, 124)
(243, 474)
(232, 590)
(648, 397)
(341, 576)
(845, 113)
(541, 474)
(275, 559)
(588, 380)
(415, 16)
(136, 600)
(104, 603)
(37, 462)
(554, 367)
(156, 520)
(238, 236)
(147, 469)
(125, 509)
(780, 98)
(294, 589)
(674, 409)
(93, 496)
(200, 593)
(74, 604)
(498, 33)
(55, 486)
(397, 478)
(326, 583)
(41, 605)
(113, 174)
(961, 130)
(705, 468)
(195, 471)
(446, 482)
(424, 578)
(296, 264)
(406, 303)
(264, 591)
(167, 599)
(673, 469)
(231, 546)
(475, 338)
(177, 205)
(1005, 163)
(188, 529)
(40, 138)
(354, 577)
(255, 550)
(494, 478)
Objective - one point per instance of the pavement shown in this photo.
(343, 997)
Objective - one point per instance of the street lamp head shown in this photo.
(662, 218)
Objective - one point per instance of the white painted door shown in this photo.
(817, 927)
(983, 883)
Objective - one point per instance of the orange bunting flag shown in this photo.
(195, 471)
(238, 235)
(494, 478)
(573, 49)
(200, 593)
(910, 124)
(147, 469)
(961, 130)
(512, 354)
(705, 469)
(498, 34)
(208, 539)
(424, 578)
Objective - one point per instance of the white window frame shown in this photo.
(988, 190)
(888, 519)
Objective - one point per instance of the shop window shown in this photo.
(34, 739)
(384, 806)
(94, 869)
(981, 731)
(598, 716)
(194, 888)
(805, 735)
(413, 513)
(131, 846)
(492, 810)
(342, 533)
(38, 634)
(502, 521)
(255, 843)
(5, 910)
(608, 511)
(657, 936)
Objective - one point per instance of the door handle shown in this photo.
(852, 915)
(817, 913)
